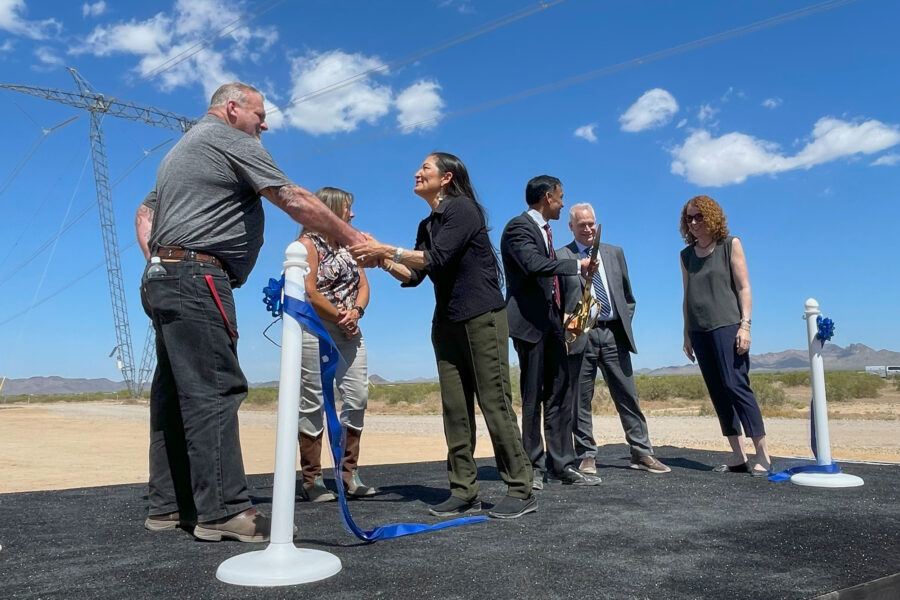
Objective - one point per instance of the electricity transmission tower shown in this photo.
(100, 106)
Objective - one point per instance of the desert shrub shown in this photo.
(897, 383)
(768, 392)
(408, 393)
(666, 387)
(848, 385)
(262, 396)
(792, 378)
(49, 398)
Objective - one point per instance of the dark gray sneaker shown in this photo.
(454, 506)
(513, 508)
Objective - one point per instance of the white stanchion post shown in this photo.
(817, 380)
(282, 563)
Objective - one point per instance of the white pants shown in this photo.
(351, 381)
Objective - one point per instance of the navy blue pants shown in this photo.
(195, 449)
(727, 377)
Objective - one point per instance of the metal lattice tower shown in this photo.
(99, 106)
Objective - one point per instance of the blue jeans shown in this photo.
(196, 465)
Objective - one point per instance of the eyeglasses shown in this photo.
(698, 217)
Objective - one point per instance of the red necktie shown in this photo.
(552, 252)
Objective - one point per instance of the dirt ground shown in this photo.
(60, 446)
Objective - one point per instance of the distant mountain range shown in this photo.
(853, 357)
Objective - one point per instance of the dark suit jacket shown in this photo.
(620, 290)
(529, 288)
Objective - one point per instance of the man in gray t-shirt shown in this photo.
(204, 219)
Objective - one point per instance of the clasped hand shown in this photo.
(348, 322)
(370, 253)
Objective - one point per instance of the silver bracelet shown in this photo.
(398, 254)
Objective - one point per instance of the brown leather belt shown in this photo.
(179, 253)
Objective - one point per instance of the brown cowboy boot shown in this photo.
(352, 484)
(313, 488)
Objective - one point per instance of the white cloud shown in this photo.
(772, 103)
(147, 38)
(344, 108)
(48, 56)
(173, 47)
(93, 10)
(7, 46)
(681, 124)
(888, 160)
(733, 157)
(419, 106)
(586, 132)
(12, 19)
(706, 113)
(653, 109)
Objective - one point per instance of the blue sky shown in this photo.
(794, 128)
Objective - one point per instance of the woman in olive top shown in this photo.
(469, 333)
(717, 307)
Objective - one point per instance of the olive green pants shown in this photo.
(473, 362)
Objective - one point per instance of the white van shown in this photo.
(892, 371)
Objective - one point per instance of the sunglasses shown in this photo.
(691, 218)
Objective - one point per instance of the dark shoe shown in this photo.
(454, 506)
(317, 492)
(588, 465)
(754, 472)
(247, 526)
(537, 483)
(166, 522)
(649, 464)
(513, 508)
(572, 476)
(741, 468)
(355, 488)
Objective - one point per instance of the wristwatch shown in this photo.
(360, 310)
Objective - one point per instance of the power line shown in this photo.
(222, 32)
(503, 21)
(594, 74)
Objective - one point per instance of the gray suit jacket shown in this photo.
(620, 290)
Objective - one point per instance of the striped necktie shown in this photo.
(600, 294)
(556, 295)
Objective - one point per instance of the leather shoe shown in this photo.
(247, 526)
(649, 464)
(513, 508)
(588, 465)
(166, 522)
(572, 476)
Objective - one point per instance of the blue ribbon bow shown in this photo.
(272, 296)
(825, 329)
(304, 314)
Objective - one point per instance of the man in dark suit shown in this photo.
(607, 345)
(534, 310)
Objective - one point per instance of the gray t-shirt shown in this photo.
(207, 195)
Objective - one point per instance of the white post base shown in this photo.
(826, 480)
(279, 564)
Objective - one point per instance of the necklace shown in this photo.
(706, 247)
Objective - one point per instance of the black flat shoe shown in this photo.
(741, 468)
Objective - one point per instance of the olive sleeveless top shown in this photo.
(710, 295)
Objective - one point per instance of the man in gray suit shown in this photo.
(607, 345)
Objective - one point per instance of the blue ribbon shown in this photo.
(272, 296)
(825, 329)
(328, 361)
(832, 468)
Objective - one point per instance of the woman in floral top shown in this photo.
(339, 292)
